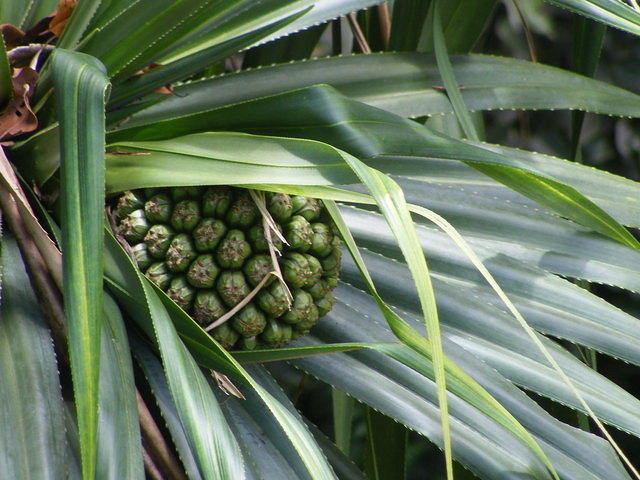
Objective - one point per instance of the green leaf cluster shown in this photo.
(462, 289)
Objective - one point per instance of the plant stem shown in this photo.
(155, 442)
(357, 33)
(150, 467)
(385, 23)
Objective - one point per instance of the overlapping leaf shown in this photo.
(407, 84)
(81, 87)
(126, 285)
(32, 437)
(610, 12)
(320, 113)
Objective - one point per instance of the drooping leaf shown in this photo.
(215, 447)
(383, 135)
(322, 11)
(296, 46)
(80, 89)
(208, 156)
(399, 401)
(448, 77)
(78, 24)
(146, 31)
(153, 372)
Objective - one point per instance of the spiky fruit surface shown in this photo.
(206, 248)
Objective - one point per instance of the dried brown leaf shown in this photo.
(61, 16)
(12, 36)
(227, 385)
(17, 117)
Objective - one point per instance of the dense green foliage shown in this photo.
(487, 297)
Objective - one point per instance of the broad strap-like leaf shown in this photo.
(267, 461)
(557, 439)
(490, 333)
(208, 432)
(32, 437)
(523, 279)
(491, 216)
(297, 46)
(119, 441)
(406, 84)
(321, 114)
(189, 65)
(133, 35)
(460, 382)
(289, 353)
(391, 202)
(619, 196)
(322, 11)
(81, 86)
(78, 24)
(206, 158)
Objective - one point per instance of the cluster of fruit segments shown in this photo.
(206, 248)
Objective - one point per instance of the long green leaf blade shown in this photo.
(32, 414)
(403, 83)
(384, 135)
(448, 78)
(120, 450)
(391, 202)
(189, 65)
(200, 414)
(463, 23)
(80, 89)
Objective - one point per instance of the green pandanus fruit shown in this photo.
(206, 247)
